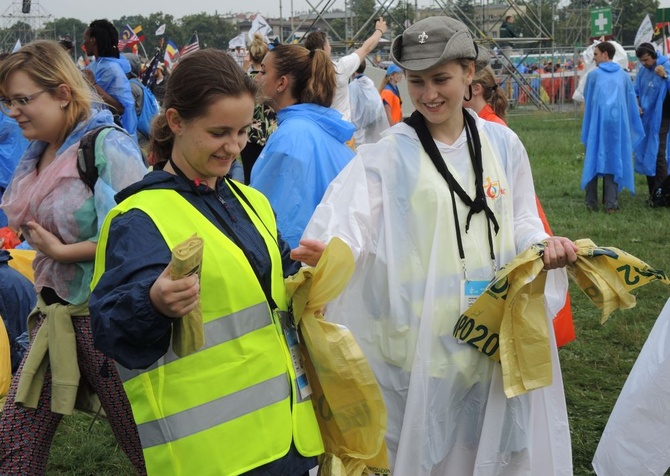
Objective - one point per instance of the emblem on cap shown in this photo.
(422, 38)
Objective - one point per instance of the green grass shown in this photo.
(595, 365)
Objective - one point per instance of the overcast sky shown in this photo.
(89, 10)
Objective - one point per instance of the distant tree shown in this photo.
(465, 11)
(361, 11)
(631, 17)
(213, 31)
(18, 31)
(404, 14)
(72, 27)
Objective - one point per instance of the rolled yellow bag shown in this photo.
(188, 333)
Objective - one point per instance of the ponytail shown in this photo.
(320, 87)
(312, 73)
(162, 140)
(493, 94)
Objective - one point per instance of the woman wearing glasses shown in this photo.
(59, 215)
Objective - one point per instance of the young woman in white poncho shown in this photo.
(443, 199)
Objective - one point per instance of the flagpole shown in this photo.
(145, 51)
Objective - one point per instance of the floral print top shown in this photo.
(264, 122)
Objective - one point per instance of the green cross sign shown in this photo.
(601, 21)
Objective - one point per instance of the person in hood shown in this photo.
(367, 109)
(651, 88)
(59, 215)
(107, 74)
(611, 130)
(431, 212)
(232, 407)
(308, 148)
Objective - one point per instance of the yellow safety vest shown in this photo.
(234, 404)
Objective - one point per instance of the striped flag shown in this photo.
(193, 45)
(139, 33)
(127, 37)
(171, 54)
(149, 76)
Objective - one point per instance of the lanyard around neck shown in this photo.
(229, 230)
(479, 204)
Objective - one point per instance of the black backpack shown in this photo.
(88, 172)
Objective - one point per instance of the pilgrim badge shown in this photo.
(422, 38)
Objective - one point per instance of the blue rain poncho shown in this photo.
(299, 161)
(110, 74)
(612, 127)
(651, 90)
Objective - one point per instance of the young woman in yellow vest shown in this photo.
(234, 406)
(431, 212)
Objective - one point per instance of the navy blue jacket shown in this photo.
(126, 326)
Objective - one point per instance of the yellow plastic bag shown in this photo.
(346, 397)
(22, 261)
(508, 321)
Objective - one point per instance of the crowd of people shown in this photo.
(267, 165)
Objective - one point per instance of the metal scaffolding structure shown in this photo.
(24, 27)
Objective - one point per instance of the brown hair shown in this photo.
(258, 48)
(47, 63)
(312, 73)
(493, 94)
(201, 78)
(316, 40)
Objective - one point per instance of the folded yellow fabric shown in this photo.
(348, 402)
(188, 333)
(508, 321)
(54, 346)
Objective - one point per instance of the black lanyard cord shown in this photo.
(231, 234)
(479, 204)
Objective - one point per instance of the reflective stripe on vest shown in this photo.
(217, 331)
(224, 409)
(198, 419)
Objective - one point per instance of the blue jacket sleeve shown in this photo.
(126, 327)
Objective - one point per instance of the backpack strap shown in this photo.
(88, 172)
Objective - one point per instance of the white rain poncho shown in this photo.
(367, 111)
(447, 411)
(620, 57)
(635, 440)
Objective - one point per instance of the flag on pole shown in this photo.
(193, 45)
(261, 26)
(645, 32)
(139, 33)
(238, 41)
(171, 54)
(149, 76)
(161, 30)
(127, 37)
(17, 46)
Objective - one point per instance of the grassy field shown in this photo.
(595, 365)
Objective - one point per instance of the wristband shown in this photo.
(380, 31)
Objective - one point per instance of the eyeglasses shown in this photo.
(6, 103)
